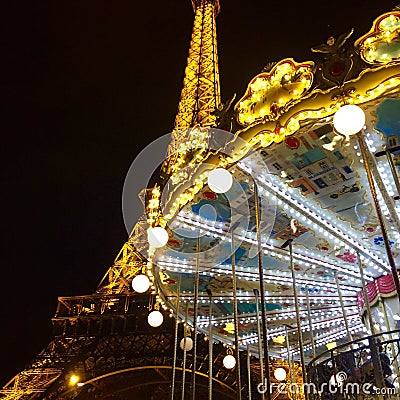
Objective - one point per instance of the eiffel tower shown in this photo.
(103, 346)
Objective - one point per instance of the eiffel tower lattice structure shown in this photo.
(103, 346)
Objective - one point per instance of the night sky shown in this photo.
(85, 85)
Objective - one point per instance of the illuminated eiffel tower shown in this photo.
(103, 346)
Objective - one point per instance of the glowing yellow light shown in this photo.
(73, 380)
(331, 345)
(279, 339)
(229, 327)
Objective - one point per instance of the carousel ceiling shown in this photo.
(312, 188)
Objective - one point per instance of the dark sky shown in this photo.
(85, 85)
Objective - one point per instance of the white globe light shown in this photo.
(157, 237)
(229, 361)
(155, 319)
(349, 120)
(280, 374)
(220, 180)
(140, 283)
(189, 344)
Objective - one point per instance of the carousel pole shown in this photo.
(387, 324)
(260, 354)
(296, 304)
(290, 363)
(349, 120)
(310, 323)
(262, 292)
(176, 336)
(195, 313)
(388, 154)
(365, 296)
(210, 347)
(235, 318)
(385, 237)
(184, 351)
(248, 372)
(346, 323)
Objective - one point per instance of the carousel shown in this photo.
(276, 233)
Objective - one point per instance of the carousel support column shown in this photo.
(195, 313)
(310, 323)
(235, 318)
(379, 213)
(296, 304)
(176, 336)
(344, 314)
(249, 372)
(210, 346)
(260, 354)
(262, 292)
(387, 324)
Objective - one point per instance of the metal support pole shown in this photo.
(379, 214)
(310, 323)
(195, 313)
(210, 348)
(388, 154)
(365, 295)
(296, 304)
(291, 380)
(248, 372)
(185, 326)
(176, 336)
(388, 328)
(371, 340)
(261, 278)
(235, 320)
(346, 323)
(394, 172)
(260, 353)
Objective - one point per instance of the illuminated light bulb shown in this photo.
(73, 380)
(280, 374)
(155, 319)
(349, 120)
(189, 344)
(220, 180)
(157, 237)
(140, 283)
(229, 361)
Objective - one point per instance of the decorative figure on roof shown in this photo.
(225, 114)
(332, 45)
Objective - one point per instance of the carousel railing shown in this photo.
(366, 368)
